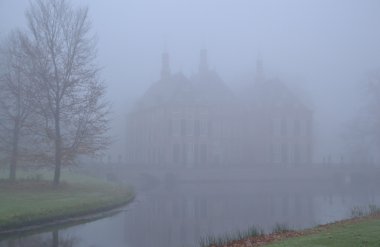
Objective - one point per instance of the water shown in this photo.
(180, 214)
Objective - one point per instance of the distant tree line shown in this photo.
(52, 105)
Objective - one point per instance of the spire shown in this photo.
(165, 69)
(259, 70)
(203, 64)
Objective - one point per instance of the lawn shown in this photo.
(32, 201)
(355, 233)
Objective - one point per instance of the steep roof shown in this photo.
(202, 89)
(211, 89)
(274, 94)
(173, 89)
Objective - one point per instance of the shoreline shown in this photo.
(70, 219)
(75, 212)
(302, 237)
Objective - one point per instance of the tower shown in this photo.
(203, 64)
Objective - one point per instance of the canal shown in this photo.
(180, 214)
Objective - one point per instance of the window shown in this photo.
(272, 127)
(271, 153)
(284, 153)
(297, 126)
(170, 127)
(204, 153)
(176, 128)
(283, 126)
(196, 153)
(183, 127)
(197, 127)
(203, 125)
(175, 153)
(308, 127)
(184, 153)
(296, 154)
(209, 127)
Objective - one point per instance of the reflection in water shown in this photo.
(181, 215)
(50, 239)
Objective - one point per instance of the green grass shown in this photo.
(365, 232)
(33, 200)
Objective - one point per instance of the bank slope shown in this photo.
(29, 203)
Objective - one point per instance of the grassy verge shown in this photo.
(362, 230)
(33, 201)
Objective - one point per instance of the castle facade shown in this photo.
(200, 122)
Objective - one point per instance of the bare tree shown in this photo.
(374, 104)
(374, 111)
(362, 136)
(69, 93)
(15, 99)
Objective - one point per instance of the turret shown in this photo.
(203, 64)
(259, 70)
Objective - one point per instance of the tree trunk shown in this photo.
(55, 239)
(11, 243)
(58, 150)
(14, 157)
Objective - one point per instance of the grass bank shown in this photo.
(33, 201)
(362, 230)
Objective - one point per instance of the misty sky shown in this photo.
(323, 48)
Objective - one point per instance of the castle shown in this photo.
(200, 122)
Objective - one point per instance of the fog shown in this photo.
(323, 51)
(324, 48)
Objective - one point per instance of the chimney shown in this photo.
(165, 69)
